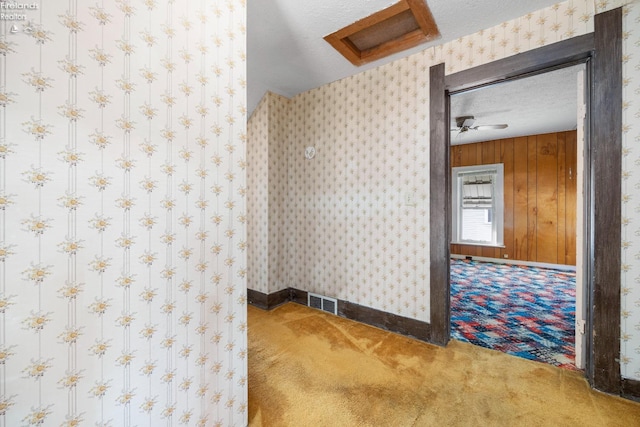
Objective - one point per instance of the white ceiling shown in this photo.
(286, 52)
(534, 105)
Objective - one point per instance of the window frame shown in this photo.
(498, 204)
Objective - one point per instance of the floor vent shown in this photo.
(330, 305)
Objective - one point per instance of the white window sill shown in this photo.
(488, 245)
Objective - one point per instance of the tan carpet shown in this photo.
(309, 368)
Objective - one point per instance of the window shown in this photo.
(478, 205)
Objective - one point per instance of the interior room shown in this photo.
(515, 184)
(365, 185)
(231, 212)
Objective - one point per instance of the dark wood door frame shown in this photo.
(602, 49)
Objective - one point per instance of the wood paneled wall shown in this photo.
(539, 196)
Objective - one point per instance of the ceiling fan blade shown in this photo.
(487, 127)
(468, 122)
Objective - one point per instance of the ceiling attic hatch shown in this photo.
(401, 26)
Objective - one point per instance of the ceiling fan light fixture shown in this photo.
(466, 123)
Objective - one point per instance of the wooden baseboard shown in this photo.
(267, 301)
(277, 298)
(298, 296)
(380, 319)
(631, 389)
(257, 299)
(387, 321)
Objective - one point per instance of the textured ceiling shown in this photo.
(534, 105)
(286, 53)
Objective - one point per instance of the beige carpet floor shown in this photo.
(309, 368)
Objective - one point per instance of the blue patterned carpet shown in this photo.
(525, 311)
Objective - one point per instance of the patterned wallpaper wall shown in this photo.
(279, 137)
(356, 239)
(258, 197)
(267, 186)
(122, 215)
(351, 235)
(630, 316)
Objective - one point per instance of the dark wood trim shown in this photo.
(298, 296)
(359, 313)
(440, 208)
(267, 302)
(278, 298)
(631, 389)
(257, 299)
(606, 167)
(556, 54)
(603, 211)
(387, 321)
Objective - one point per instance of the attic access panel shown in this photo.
(401, 26)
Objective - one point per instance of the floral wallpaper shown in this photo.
(356, 238)
(279, 137)
(630, 316)
(258, 197)
(350, 231)
(267, 179)
(122, 214)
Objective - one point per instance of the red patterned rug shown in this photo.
(525, 311)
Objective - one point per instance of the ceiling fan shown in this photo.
(466, 123)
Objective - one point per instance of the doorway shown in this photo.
(516, 192)
(603, 49)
